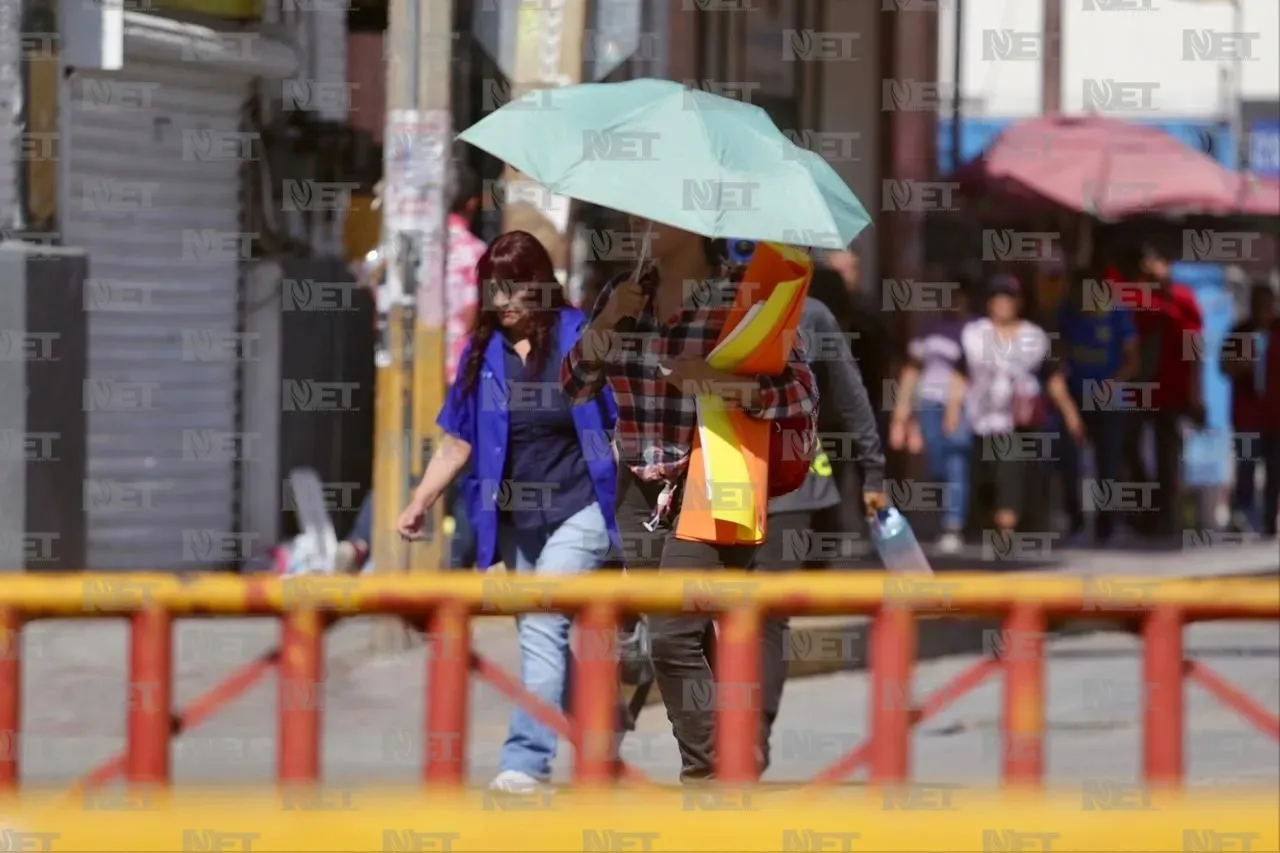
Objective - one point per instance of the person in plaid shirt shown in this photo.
(648, 340)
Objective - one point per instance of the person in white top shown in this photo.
(1001, 384)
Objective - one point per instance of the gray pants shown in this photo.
(680, 644)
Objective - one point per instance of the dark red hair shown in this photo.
(516, 264)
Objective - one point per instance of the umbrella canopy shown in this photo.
(686, 158)
(1260, 196)
(1114, 169)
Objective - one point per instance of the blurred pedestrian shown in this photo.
(925, 383)
(1001, 383)
(1102, 359)
(464, 250)
(545, 498)
(1170, 337)
(1243, 358)
(872, 347)
(837, 283)
(845, 410)
(656, 388)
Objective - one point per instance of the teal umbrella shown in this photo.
(689, 159)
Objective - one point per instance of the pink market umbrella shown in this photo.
(1259, 196)
(1114, 169)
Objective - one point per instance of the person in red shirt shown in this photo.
(1170, 333)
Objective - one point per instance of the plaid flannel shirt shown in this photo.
(656, 423)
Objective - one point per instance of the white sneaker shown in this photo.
(950, 543)
(515, 782)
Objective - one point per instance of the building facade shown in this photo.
(147, 150)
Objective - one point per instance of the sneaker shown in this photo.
(950, 543)
(515, 782)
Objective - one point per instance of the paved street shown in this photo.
(372, 727)
(75, 699)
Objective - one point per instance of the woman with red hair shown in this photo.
(542, 496)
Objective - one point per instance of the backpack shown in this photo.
(793, 444)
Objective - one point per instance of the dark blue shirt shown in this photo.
(1094, 344)
(546, 480)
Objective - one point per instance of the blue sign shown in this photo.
(1264, 148)
(1206, 456)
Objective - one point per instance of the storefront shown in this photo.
(153, 170)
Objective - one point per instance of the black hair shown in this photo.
(1159, 248)
(466, 187)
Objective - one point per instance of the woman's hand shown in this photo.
(410, 523)
(951, 421)
(897, 433)
(1075, 426)
(915, 439)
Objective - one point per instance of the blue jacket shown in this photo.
(486, 429)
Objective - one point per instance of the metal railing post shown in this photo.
(595, 696)
(150, 696)
(891, 655)
(448, 686)
(10, 697)
(1162, 690)
(1024, 696)
(738, 706)
(301, 696)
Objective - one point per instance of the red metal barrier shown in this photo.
(447, 605)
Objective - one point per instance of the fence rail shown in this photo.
(92, 596)
(444, 605)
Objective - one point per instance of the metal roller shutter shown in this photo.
(162, 226)
(11, 159)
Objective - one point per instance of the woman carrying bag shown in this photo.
(1002, 383)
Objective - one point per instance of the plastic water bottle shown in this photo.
(896, 544)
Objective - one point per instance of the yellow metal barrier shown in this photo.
(960, 594)
(921, 818)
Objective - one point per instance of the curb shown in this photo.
(829, 645)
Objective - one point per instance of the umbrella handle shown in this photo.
(645, 243)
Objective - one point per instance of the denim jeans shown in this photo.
(362, 530)
(462, 544)
(575, 546)
(948, 459)
(1264, 449)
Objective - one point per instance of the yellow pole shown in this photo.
(428, 380)
(428, 396)
(416, 147)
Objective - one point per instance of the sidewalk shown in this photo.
(939, 638)
(825, 644)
